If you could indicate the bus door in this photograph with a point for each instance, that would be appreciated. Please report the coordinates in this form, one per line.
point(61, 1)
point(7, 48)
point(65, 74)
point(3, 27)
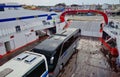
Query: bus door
point(56, 63)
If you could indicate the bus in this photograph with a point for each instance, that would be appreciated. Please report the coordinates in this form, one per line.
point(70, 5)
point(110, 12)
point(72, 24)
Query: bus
point(58, 49)
point(27, 64)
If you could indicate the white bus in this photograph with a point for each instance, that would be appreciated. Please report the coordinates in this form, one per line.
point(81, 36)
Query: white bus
point(58, 49)
point(27, 64)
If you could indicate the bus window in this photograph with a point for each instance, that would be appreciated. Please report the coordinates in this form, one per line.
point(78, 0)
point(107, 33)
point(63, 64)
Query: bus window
point(69, 42)
point(36, 71)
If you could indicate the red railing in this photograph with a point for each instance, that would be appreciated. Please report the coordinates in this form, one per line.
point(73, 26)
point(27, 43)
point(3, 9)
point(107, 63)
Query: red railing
point(62, 16)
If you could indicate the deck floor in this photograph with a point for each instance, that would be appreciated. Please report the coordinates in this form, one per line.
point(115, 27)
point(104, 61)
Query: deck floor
point(88, 28)
point(88, 62)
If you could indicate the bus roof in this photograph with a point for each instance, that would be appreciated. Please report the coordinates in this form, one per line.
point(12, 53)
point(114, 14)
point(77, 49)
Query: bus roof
point(21, 64)
point(49, 46)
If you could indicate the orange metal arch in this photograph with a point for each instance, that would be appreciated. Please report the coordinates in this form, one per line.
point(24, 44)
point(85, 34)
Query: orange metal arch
point(62, 16)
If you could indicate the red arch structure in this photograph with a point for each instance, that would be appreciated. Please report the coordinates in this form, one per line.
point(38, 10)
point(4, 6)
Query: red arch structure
point(62, 19)
point(62, 16)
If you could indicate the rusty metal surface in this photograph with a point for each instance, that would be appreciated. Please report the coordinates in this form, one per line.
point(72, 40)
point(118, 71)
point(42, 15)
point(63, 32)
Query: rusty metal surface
point(90, 61)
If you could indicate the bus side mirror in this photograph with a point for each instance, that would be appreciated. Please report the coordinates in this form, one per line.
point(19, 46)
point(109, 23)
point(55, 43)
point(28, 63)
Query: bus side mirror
point(51, 60)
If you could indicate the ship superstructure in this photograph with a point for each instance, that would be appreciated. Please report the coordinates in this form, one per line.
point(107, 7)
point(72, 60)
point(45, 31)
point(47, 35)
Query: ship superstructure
point(111, 42)
point(19, 26)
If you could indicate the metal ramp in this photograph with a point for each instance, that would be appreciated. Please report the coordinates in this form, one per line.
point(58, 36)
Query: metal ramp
point(88, 28)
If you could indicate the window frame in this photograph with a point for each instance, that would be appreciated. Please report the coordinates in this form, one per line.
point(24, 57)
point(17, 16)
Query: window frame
point(69, 42)
point(36, 67)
